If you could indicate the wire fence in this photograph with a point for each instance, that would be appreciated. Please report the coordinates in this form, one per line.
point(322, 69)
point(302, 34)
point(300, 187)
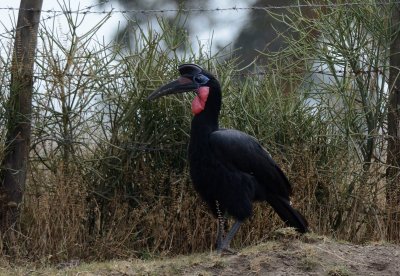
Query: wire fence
point(55, 13)
point(87, 10)
point(91, 9)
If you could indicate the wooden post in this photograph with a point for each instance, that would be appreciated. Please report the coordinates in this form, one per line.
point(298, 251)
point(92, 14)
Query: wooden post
point(15, 162)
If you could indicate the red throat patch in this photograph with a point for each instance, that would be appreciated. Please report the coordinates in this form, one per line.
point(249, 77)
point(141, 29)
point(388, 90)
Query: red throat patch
point(200, 100)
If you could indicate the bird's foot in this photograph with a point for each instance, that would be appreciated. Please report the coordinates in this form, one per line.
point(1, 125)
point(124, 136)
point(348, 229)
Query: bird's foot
point(226, 251)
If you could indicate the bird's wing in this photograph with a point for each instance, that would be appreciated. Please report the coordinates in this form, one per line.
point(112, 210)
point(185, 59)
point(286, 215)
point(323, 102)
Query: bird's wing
point(240, 151)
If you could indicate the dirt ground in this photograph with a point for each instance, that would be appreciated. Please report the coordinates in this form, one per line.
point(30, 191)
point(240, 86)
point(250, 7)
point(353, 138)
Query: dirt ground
point(284, 255)
point(324, 257)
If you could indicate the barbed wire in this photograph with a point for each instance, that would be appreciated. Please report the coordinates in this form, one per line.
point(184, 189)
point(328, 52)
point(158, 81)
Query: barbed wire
point(56, 13)
point(87, 10)
point(13, 30)
point(83, 10)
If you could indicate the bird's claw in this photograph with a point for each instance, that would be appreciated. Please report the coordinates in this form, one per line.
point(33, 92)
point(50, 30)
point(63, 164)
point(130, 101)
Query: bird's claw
point(226, 251)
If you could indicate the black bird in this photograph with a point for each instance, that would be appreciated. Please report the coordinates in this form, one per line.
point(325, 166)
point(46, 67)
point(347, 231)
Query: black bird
point(228, 168)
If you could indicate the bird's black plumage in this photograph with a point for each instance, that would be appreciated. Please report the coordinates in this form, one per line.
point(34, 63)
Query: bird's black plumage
point(229, 169)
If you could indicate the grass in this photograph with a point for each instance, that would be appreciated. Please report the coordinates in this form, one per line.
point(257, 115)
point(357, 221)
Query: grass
point(339, 271)
point(309, 254)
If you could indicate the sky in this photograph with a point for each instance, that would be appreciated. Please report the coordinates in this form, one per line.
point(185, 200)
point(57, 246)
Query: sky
point(223, 26)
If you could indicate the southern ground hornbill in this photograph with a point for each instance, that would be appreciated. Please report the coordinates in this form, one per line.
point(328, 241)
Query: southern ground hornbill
point(228, 168)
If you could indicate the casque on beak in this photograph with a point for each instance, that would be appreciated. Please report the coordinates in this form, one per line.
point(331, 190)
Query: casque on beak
point(182, 84)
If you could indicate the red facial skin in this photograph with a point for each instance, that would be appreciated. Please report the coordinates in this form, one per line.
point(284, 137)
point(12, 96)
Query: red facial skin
point(200, 100)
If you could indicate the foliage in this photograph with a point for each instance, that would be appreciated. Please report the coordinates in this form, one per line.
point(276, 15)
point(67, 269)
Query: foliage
point(347, 49)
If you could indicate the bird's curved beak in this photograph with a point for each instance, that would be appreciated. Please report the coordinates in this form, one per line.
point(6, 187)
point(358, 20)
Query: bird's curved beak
point(182, 84)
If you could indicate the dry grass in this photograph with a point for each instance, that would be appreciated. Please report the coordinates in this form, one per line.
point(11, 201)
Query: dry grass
point(285, 255)
point(62, 220)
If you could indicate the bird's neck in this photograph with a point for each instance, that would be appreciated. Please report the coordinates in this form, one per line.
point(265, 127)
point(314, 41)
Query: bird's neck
point(203, 125)
point(206, 121)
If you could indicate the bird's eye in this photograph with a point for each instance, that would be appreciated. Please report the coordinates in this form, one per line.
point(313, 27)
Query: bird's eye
point(200, 79)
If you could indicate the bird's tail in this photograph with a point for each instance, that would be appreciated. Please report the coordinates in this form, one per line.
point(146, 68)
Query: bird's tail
point(288, 214)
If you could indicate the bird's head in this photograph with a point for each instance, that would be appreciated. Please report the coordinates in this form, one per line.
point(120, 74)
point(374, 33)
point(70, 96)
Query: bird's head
point(192, 78)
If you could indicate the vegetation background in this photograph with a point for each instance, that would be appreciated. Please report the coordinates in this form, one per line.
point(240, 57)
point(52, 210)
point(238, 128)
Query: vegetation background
point(108, 173)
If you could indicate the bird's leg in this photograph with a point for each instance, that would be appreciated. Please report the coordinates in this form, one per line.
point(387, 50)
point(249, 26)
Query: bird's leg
point(221, 226)
point(225, 247)
point(220, 233)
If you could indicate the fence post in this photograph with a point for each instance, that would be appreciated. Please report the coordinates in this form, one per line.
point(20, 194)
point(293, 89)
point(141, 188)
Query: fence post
point(15, 162)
